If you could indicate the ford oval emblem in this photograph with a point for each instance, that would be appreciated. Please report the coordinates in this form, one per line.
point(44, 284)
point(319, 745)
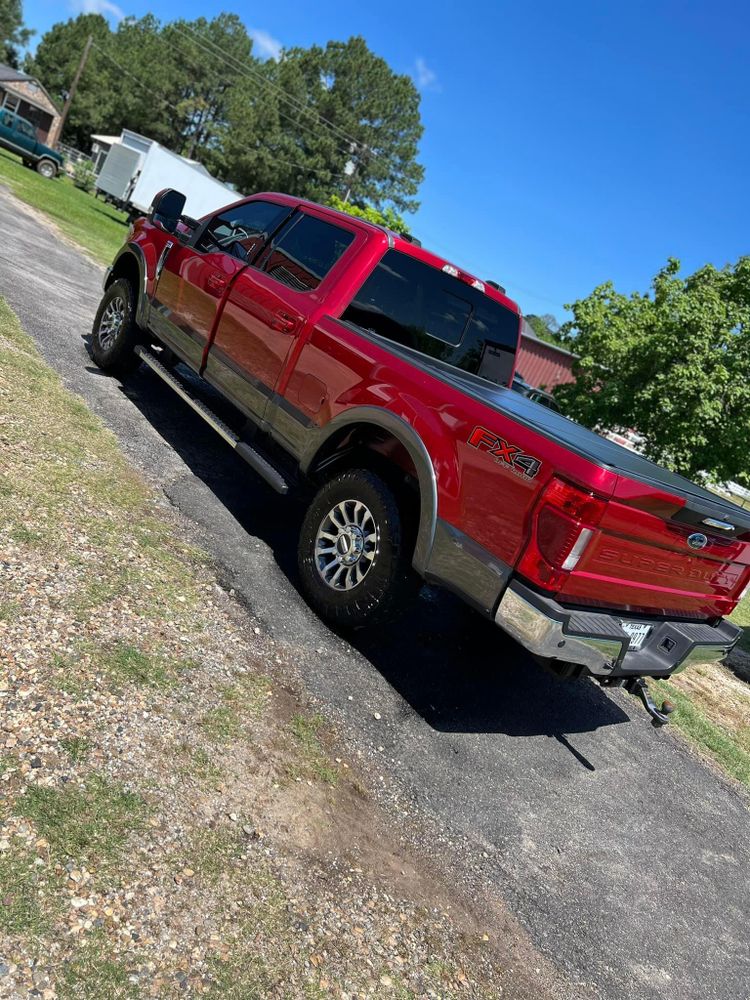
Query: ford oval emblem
point(698, 540)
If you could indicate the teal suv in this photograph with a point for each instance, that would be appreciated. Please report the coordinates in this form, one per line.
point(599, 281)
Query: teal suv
point(19, 136)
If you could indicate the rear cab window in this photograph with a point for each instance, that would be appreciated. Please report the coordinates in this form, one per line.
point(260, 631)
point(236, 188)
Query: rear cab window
point(415, 304)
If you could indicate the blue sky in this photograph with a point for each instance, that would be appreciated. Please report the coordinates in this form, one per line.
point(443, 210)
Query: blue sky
point(565, 143)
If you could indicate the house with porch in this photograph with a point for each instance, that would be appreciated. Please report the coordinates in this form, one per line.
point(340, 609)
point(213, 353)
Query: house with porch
point(23, 94)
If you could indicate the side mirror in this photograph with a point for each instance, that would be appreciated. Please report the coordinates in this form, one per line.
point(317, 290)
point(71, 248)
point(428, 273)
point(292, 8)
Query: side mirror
point(166, 209)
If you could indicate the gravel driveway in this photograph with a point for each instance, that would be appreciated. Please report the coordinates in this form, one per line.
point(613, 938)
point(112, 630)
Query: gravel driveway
point(625, 857)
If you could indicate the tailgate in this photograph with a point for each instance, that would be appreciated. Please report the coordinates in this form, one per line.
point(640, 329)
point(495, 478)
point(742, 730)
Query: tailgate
point(658, 553)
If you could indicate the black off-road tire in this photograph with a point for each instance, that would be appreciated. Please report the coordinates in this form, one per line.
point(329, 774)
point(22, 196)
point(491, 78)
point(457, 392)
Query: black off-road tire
point(388, 583)
point(112, 345)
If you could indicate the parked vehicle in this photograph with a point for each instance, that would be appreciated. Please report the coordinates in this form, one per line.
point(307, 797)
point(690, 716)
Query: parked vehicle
point(136, 168)
point(19, 136)
point(535, 395)
point(373, 374)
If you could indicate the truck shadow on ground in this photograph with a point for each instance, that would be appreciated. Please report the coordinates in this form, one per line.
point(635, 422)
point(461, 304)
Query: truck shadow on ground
point(453, 668)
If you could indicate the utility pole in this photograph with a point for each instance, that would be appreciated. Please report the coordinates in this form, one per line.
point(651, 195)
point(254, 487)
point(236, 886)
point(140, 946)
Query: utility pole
point(74, 86)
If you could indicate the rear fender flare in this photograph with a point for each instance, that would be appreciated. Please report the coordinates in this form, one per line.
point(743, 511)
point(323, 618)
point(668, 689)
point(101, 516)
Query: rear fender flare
point(418, 453)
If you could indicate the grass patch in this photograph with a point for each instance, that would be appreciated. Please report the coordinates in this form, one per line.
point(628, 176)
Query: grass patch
point(20, 909)
point(88, 823)
point(741, 616)
point(729, 748)
point(24, 536)
point(92, 975)
point(221, 724)
point(312, 759)
point(214, 853)
point(9, 610)
point(248, 697)
point(76, 747)
point(198, 763)
point(244, 977)
point(94, 225)
point(125, 663)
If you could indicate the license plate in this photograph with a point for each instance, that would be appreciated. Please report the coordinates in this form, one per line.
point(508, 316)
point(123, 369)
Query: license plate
point(637, 632)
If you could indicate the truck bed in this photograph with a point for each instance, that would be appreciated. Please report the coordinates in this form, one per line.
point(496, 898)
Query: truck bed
point(584, 442)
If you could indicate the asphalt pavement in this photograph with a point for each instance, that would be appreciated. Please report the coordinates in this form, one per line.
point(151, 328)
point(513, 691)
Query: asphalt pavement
point(625, 857)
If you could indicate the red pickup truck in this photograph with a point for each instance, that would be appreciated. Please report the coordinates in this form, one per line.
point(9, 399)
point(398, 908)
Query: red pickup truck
point(373, 373)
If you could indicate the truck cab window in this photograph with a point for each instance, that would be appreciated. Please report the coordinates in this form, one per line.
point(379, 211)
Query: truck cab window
point(417, 305)
point(305, 252)
point(489, 344)
point(413, 304)
point(242, 230)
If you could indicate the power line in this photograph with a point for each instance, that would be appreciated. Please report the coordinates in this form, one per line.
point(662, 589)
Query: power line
point(170, 104)
point(250, 70)
point(248, 73)
point(224, 58)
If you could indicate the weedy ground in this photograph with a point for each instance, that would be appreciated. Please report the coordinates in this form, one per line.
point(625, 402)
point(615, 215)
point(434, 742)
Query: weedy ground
point(173, 820)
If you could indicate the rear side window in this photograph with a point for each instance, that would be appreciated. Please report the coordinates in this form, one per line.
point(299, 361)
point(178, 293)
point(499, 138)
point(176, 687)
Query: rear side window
point(417, 305)
point(305, 252)
point(241, 230)
point(25, 129)
point(7, 118)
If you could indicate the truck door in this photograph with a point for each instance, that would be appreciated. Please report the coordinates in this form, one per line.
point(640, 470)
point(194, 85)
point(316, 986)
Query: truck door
point(192, 280)
point(25, 136)
point(270, 305)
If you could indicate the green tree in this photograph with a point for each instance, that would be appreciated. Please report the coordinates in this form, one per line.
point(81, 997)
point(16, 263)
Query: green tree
point(294, 125)
point(672, 364)
point(205, 56)
point(298, 122)
point(545, 327)
point(13, 34)
point(388, 218)
point(55, 62)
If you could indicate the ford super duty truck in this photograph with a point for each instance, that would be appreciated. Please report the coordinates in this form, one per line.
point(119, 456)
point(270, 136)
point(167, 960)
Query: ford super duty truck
point(372, 374)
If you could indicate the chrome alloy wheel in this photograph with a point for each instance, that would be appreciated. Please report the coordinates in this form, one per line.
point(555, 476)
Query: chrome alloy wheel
point(346, 545)
point(111, 322)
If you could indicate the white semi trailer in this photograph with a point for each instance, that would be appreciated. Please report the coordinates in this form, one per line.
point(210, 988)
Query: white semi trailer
point(136, 168)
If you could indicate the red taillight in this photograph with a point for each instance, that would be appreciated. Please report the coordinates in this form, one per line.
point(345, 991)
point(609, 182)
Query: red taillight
point(562, 526)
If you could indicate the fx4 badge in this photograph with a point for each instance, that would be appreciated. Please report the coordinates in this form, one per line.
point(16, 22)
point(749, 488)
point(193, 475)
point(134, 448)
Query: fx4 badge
point(504, 452)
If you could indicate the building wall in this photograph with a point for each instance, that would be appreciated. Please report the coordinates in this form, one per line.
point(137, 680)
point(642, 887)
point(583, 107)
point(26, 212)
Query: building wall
point(542, 365)
point(41, 111)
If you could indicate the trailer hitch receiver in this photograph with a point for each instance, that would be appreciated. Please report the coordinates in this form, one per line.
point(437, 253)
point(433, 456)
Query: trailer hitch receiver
point(638, 687)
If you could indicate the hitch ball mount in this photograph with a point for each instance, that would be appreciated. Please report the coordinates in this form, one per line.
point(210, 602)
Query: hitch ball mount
point(638, 687)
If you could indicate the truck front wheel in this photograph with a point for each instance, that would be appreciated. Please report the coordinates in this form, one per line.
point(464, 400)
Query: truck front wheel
point(115, 333)
point(46, 168)
point(355, 551)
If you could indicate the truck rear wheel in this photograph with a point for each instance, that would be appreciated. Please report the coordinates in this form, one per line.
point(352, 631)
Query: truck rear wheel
point(115, 333)
point(355, 551)
point(46, 168)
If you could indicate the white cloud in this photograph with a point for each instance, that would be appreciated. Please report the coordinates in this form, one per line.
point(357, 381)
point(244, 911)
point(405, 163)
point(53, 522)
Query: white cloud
point(424, 77)
point(264, 44)
point(104, 7)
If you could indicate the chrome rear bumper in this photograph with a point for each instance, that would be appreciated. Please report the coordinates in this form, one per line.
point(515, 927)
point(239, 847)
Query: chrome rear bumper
point(597, 642)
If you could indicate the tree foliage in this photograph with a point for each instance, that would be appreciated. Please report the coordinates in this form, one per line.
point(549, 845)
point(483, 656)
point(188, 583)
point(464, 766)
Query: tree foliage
point(388, 218)
point(545, 327)
point(672, 364)
point(13, 34)
point(297, 124)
